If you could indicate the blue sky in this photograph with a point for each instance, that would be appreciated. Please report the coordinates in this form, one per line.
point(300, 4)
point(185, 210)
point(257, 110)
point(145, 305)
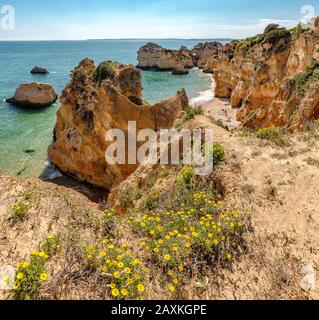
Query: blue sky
point(87, 19)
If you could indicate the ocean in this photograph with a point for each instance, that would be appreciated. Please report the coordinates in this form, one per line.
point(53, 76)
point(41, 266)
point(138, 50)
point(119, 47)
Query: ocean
point(26, 134)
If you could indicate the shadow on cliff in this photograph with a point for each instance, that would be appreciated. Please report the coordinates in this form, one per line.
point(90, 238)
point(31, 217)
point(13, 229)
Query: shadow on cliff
point(94, 194)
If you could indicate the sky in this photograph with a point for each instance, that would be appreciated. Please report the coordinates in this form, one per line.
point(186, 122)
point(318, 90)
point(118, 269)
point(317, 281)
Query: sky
point(115, 19)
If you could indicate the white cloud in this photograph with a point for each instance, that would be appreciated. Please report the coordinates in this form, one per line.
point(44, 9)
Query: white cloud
point(244, 30)
point(141, 26)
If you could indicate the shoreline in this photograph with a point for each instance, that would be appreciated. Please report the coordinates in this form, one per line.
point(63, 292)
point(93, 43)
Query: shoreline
point(217, 108)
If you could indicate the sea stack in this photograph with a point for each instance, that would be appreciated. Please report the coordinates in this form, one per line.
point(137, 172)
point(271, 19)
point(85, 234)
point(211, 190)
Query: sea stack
point(154, 57)
point(34, 95)
point(96, 100)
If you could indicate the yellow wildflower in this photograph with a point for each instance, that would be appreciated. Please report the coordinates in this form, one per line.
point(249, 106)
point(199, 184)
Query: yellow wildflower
point(128, 270)
point(141, 288)
point(115, 293)
point(43, 277)
point(124, 292)
point(170, 273)
point(171, 288)
point(167, 257)
point(102, 254)
point(20, 276)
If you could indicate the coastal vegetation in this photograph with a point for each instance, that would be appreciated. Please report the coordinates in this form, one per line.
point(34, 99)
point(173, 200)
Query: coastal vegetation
point(30, 274)
point(306, 80)
point(105, 70)
point(189, 114)
point(165, 232)
point(275, 135)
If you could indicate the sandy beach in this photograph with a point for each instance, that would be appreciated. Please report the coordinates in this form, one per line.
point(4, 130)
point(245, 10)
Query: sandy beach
point(222, 111)
point(218, 108)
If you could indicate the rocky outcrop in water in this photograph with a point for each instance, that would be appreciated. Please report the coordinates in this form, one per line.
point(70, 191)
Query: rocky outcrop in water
point(95, 101)
point(273, 78)
point(154, 57)
point(39, 70)
point(35, 95)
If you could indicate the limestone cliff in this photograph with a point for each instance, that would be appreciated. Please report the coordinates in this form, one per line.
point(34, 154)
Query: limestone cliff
point(94, 101)
point(202, 52)
point(273, 77)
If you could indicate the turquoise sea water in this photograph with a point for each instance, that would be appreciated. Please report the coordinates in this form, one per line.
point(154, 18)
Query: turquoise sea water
point(22, 130)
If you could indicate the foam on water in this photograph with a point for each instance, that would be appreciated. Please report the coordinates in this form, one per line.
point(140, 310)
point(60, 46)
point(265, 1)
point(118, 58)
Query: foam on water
point(204, 96)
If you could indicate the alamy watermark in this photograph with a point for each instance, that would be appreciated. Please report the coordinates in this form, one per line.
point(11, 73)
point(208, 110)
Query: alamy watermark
point(165, 147)
point(7, 17)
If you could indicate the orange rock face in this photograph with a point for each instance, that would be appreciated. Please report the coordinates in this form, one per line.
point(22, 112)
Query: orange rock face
point(90, 106)
point(153, 56)
point(260, 76)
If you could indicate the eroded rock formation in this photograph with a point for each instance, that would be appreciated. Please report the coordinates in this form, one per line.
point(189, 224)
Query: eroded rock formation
point(35, 95)
point(153, 56)
point(273, 77)
point(203, 52)
point(95, 101)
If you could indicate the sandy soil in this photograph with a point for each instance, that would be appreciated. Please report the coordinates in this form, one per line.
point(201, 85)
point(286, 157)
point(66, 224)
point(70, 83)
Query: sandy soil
point(221, 110)
point(278, 186)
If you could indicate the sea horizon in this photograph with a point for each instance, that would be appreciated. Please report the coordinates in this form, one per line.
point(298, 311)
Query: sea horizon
point(120, 39)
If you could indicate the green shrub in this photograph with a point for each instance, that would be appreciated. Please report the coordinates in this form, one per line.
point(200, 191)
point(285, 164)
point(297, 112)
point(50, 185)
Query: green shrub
point(52, 245)
point(190, 114)
point(151, 201)
point(274, 135)
point(127, 197)
point(303, 80)
point(105, 70)
point(123, 273)
point(29, 276)
point(198, 232)
point(20, 211)
point(218, 153)
point(185, 176)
